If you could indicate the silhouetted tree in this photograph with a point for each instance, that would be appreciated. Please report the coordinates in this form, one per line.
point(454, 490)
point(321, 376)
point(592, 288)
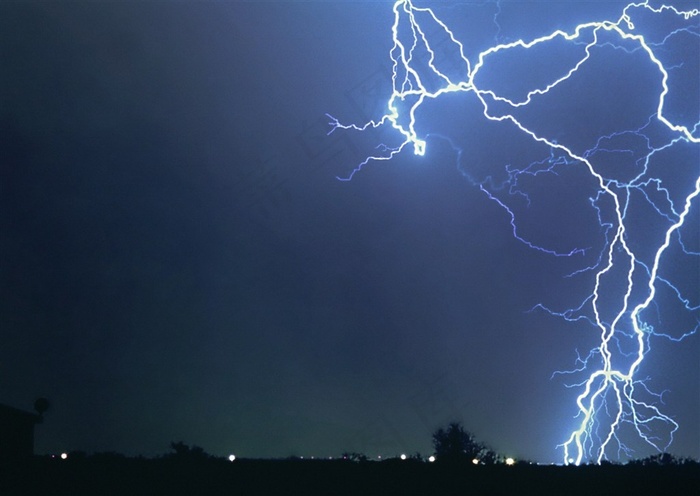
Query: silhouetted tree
point(660, 459)
point(456, 444)
point(41, 405)
point(183, 451)
point(354, 457)
point(488, 456)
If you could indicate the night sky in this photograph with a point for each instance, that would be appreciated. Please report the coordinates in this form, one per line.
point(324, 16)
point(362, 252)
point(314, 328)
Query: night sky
point(178, 260)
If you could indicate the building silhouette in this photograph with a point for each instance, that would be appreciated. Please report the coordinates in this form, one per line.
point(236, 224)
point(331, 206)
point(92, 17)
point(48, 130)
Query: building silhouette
point(17, 432)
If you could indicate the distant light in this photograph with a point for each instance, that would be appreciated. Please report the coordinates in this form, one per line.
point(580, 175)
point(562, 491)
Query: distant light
point(403, 457)
point(231, 458)
point(475, 461)
point(571, 460)
point(64, 456)
point(379, 457)
point(431, 458)
point(510, 461)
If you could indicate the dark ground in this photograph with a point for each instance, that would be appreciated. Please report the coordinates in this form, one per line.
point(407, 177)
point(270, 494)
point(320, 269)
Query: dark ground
point(111, 474)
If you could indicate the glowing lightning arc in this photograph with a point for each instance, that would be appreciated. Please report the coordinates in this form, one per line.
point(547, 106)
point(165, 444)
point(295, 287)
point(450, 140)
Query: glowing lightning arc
point(612, 395)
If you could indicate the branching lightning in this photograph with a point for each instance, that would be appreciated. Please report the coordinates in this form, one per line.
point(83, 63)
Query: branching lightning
point(627, 279)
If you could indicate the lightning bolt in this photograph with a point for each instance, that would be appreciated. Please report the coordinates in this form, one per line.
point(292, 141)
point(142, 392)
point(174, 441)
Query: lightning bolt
point(613, 398)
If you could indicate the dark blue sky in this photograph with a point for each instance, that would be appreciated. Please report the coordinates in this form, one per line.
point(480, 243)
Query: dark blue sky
point(179, 262)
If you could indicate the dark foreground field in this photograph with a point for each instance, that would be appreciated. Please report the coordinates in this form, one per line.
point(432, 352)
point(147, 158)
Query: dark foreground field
point(168, 476)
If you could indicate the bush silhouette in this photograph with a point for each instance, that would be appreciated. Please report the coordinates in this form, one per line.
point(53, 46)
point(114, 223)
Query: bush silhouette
point(185, 452)
point(455, 444)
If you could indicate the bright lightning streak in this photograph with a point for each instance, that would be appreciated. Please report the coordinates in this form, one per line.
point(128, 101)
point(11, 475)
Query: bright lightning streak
point(611, 393)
